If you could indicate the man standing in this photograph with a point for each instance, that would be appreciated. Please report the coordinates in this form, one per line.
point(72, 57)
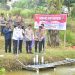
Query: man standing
point(2, 22)
point(44, 36)
point(7, 33)
point(17, 39)
point(29, 35)
point(39, 39)
point(15, 21)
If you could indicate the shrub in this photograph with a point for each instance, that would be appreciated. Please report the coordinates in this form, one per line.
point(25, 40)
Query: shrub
point(73, 12)
point(54, 11)
point(3, 11)
point(15, 11)
point(40, 10)
point(70, 37)
point(27, 13)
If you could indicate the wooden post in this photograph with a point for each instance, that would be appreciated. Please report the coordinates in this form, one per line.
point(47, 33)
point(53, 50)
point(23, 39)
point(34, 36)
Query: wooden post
point(65, 38)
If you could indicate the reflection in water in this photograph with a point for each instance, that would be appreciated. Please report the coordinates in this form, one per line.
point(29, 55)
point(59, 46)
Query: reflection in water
point(58, 71)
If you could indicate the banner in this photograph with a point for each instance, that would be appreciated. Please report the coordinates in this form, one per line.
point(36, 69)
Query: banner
point(51, 22)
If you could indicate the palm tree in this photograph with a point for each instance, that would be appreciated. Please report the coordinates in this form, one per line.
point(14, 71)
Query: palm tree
point(53, 35)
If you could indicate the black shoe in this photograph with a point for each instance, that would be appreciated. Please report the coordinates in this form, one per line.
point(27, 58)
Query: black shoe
point(27, 52)
point(9, 51)
point(30, 52)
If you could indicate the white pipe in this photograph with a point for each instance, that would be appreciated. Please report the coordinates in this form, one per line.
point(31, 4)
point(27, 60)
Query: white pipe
point(1, 55)
point(37, 71)
point(34, 60)
point(42, 59)
point(37, 58)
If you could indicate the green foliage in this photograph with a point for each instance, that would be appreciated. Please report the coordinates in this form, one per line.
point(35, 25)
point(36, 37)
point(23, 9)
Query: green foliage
point(40, 10)
point(29, 4)
point(69, 2)
point(27, 13)
point(54, 12)
point(73, 12)
point(15, 11)
point(72, 1)
point(24, 4)
point(4, 12)
point(2, 71)
point(70, 36)
point(20, 4)
point(3, 1)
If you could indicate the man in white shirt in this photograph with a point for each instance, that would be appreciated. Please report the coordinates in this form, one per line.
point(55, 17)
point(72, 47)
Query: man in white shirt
point(17, 39)
point(29, 35)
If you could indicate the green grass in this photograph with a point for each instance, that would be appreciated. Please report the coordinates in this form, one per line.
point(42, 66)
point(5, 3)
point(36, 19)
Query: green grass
point(51, 52)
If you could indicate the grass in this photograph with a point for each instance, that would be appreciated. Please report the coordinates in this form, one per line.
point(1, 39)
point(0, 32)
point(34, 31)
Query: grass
point(51, 55)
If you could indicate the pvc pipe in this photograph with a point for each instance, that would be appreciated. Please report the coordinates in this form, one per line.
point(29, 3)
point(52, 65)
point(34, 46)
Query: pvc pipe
point(34, 60)
point(37, 59)
point(42, 59)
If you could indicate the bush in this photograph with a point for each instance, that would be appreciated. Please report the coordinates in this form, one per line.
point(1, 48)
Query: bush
point(54, 11)
point(70, 37)
point(27, 13)
point(3, 11)
point(73, 12)
point(15, 11)
point(41, 10)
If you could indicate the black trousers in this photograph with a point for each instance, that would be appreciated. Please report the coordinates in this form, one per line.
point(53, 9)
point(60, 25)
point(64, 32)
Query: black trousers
point(36, 46)
point(17, 46)
point(39, 45)
point(8, 45)
point(43, 43)
point(28, 46)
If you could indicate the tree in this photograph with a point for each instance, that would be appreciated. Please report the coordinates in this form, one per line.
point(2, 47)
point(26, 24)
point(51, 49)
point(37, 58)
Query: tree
point(3, 1)
point(69, 3)
point(55, 8)
point(3, 5)
point(29, 3)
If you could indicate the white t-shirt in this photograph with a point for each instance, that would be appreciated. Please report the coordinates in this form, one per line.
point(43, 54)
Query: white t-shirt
point(17, 34)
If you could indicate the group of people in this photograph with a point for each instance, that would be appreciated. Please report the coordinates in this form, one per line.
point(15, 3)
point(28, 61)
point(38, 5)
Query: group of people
point(18, 34)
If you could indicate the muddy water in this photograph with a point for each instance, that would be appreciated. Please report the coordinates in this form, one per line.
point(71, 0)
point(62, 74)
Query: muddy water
point(67, 70)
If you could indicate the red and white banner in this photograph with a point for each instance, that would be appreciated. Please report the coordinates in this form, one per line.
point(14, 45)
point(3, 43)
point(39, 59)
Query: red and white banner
point(51, 22)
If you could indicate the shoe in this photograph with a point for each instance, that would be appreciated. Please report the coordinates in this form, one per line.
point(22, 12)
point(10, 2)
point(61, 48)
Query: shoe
point(30, 52)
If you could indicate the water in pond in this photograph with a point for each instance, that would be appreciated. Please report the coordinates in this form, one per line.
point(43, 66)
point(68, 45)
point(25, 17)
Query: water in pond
point(68, 70)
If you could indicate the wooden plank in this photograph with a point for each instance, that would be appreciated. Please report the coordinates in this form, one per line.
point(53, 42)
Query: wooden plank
point(41, 66)
point(49, 65)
